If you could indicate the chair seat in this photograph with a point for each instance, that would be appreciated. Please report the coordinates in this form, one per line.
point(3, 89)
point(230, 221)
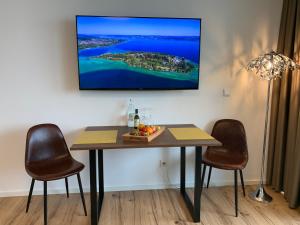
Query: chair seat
point(54, 169)
point(222, 158)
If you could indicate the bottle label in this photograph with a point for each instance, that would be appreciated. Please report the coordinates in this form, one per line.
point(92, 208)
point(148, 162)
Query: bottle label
point(131, 116)
point(136, 123)
point(130, 119)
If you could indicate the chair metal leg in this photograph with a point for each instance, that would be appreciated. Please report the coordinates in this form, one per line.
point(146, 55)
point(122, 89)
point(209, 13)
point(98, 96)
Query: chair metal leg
point(81, 193)
point(242, 182)
point(45, 202)
point(67, 186)
point(236, 193)
point(30, 194)
point(203, 175)
point(209, 174)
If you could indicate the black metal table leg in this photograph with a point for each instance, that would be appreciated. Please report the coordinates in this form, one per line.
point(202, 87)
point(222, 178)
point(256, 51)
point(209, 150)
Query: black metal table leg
point(197, 188)
point(93, 187)
point(193, 209)
point(182, 170)
point(100, 180)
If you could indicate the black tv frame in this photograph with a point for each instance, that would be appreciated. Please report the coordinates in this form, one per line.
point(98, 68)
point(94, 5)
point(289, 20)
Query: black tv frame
point(133, 89)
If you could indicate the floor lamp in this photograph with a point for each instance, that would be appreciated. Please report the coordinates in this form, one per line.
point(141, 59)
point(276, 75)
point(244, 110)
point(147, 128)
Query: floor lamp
point(269, 67)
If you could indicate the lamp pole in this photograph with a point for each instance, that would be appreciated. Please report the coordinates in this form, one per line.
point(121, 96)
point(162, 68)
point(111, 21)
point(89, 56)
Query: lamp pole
point(269, 66)
point(260, 194)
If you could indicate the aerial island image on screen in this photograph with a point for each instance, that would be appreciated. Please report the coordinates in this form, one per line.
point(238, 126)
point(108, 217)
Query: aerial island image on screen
point(138, 53)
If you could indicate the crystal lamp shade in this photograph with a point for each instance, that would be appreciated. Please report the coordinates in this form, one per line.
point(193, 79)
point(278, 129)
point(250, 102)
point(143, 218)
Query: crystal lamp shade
point(271, 65)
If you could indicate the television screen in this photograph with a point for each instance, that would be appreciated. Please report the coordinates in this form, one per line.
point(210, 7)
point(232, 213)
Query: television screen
point(127, 53)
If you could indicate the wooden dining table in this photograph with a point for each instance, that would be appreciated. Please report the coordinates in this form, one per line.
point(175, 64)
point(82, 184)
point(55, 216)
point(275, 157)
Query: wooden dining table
point(166, 139)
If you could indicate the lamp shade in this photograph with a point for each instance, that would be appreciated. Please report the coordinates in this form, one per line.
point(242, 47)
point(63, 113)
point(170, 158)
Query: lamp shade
point(271, 65)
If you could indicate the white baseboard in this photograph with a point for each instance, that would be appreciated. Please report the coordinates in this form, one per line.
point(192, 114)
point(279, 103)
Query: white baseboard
point(119, 188)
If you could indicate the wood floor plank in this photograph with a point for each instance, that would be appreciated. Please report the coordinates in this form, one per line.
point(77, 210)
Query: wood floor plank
point(153, 207)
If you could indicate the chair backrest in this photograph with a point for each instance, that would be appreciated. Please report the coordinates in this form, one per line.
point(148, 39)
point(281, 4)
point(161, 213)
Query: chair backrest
point(232, 135)
point(45, 142)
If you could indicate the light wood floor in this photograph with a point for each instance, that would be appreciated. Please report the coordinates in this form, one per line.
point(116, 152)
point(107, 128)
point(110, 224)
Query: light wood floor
point(157, 207)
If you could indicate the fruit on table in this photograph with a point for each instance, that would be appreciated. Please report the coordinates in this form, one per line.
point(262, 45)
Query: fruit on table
point(144, 130)
point(149, 130)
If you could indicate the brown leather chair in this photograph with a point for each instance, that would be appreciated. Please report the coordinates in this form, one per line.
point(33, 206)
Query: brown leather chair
point(48, 158)
point(232, 155)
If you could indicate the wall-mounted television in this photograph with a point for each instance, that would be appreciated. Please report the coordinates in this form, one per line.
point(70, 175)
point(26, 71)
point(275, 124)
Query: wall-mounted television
point(130, 53)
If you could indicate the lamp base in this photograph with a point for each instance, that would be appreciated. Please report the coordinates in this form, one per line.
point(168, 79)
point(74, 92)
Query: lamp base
point(260, 195)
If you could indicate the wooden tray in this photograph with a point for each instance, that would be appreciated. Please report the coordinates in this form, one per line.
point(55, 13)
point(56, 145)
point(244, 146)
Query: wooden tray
point(134, 138)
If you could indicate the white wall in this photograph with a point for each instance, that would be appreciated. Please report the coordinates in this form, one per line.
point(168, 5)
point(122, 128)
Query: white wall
point(39, 84)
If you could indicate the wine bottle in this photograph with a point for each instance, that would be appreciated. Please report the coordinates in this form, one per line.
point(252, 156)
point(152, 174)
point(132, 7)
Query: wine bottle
point(136, 119)
point(130, 114)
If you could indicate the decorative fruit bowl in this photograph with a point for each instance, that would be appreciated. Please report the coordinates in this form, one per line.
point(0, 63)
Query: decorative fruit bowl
point(143, 133)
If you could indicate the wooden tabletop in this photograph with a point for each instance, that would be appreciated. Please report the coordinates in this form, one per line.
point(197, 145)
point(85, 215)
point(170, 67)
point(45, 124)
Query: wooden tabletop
point(166, 139)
